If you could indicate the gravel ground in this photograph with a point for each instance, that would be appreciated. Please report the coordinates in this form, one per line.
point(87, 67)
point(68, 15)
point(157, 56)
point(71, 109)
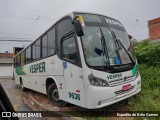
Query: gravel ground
point(34, 101)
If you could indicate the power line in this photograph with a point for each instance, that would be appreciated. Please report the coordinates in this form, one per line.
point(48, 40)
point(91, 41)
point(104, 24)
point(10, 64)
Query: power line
point(24, 14)
point(16, 40)
point(7, 14)
point(17, 33)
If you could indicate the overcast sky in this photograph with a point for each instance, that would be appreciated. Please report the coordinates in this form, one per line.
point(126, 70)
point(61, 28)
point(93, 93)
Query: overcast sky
point(27, 19)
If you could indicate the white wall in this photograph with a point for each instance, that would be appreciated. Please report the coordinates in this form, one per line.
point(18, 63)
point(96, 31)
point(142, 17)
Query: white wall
point(6, 71)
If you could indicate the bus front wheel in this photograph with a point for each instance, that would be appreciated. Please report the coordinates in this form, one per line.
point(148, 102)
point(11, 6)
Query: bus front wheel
point(53, 96)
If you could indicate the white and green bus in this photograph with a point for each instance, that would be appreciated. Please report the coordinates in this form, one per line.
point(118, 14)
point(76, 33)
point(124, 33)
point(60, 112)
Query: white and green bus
point(85, 59)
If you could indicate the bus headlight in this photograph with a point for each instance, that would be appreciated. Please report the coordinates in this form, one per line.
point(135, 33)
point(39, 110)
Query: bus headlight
point(97, 81)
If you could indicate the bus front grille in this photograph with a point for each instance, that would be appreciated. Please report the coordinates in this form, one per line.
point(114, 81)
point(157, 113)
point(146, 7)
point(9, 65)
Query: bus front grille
point(121, 81)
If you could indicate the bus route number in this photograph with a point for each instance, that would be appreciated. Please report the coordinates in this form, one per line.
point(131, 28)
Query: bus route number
point(74, 96)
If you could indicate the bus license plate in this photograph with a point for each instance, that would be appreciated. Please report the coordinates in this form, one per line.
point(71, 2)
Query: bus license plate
point(126, 87)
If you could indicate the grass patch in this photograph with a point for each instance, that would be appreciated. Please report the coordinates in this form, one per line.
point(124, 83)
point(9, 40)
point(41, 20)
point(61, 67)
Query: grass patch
point(149, 98)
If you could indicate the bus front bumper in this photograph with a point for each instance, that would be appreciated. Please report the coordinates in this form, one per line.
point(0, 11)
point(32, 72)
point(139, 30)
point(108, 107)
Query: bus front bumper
point(98, 97)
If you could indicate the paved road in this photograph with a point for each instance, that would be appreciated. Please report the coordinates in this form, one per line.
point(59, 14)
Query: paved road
point(15, 95)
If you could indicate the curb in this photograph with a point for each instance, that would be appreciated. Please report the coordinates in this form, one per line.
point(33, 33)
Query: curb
point(5, 77)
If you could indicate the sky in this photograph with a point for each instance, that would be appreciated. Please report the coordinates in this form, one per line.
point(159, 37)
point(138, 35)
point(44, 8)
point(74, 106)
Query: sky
point(28, 19)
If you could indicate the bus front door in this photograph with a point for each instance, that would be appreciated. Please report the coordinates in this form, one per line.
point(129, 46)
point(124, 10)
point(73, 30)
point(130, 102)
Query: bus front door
point(72, 71)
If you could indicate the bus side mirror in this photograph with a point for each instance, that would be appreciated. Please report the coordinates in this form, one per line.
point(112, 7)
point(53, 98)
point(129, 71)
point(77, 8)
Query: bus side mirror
point(78, 28)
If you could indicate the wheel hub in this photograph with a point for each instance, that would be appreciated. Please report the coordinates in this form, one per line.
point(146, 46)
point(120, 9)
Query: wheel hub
point(55, 95)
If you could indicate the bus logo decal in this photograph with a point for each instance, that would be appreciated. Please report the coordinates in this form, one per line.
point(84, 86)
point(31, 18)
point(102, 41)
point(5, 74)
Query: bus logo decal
point(117, 60)
point(114, 76)
point(64, 65)
point(38, 67)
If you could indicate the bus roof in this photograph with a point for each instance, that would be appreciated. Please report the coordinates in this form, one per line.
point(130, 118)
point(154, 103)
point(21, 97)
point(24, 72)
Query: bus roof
point(72, 14)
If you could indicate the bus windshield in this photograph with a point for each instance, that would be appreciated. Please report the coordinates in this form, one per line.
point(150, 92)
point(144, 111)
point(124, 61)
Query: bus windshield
point(120, 33)
point(101, 48)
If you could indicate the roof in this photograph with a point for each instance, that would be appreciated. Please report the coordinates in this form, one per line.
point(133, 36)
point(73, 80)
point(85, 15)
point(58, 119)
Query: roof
point(154, 21)
point(4, 60)
point(71, 14)
point(6, 54)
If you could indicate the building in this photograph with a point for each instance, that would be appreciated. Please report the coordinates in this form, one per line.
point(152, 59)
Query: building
point(6, 59)
point(6, 65)
point(154, 29)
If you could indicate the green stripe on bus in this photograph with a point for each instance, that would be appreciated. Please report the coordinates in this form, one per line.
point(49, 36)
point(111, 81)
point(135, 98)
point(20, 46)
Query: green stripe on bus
point(134, 70)
point(19, 71)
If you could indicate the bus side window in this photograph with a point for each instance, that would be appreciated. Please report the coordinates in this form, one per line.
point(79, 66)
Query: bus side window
point(15, 62)
point(44, 46)
point(51, 42)
point(38, 49)
point(69, 51)
point(64, 27)
point(23, 57)
point(28, 55)
point(18, 60)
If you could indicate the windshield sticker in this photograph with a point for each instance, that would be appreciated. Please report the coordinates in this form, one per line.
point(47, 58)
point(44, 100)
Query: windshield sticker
point(111, 61)
point(118, 61)
point(114, 76)
point(80, 18)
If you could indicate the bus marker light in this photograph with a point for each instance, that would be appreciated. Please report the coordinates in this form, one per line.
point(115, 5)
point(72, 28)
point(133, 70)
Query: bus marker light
point(78, 91)
point(64, 65)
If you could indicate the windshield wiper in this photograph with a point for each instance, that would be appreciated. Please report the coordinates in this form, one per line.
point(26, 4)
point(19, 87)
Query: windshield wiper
point(104, 48)
point(119, 43)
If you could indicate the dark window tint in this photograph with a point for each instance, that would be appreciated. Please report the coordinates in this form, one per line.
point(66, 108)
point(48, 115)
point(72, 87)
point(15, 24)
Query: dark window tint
point(33, 51)
point(44, 46)
point(64, 27)
point(38, 49)
point(15, 62)
point(18, 59)
point(28, 55)
point(23, 57)
point(51, 42)
point(69, 50)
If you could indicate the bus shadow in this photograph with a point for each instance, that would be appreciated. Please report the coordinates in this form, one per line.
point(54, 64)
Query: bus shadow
point(43, 101)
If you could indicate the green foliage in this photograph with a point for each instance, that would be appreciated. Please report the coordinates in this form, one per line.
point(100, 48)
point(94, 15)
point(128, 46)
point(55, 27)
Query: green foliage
point(148, 99)
point(148, 55)
point(147, 52)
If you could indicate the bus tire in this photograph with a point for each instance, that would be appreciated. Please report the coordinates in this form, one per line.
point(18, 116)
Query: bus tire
point(22, 86)
point(54, 96)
